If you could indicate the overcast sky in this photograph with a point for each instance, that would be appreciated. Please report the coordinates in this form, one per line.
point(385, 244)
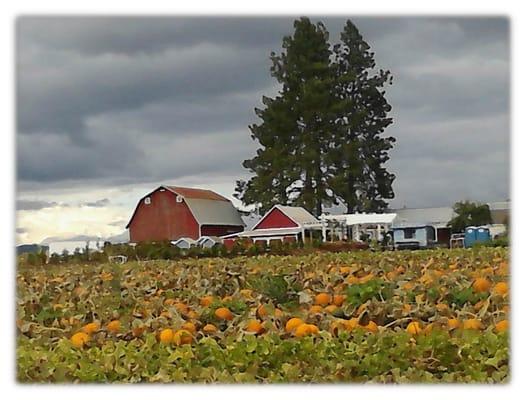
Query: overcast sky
point(109, 108)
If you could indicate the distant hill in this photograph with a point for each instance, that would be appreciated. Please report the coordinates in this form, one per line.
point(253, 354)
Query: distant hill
point(123, 237)
point(120, 238)
point(30, 248)
point(74, 238)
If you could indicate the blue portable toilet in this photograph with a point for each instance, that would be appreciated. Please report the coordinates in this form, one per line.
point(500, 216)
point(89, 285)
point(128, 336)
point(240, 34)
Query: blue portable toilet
point(476, 234)
point(483, 234)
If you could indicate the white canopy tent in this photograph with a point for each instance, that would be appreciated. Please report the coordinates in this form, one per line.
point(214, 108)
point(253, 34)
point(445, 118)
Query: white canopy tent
point(374, 224)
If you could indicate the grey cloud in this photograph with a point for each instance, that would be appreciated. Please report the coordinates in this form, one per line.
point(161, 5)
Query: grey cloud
point(132, 35)
point(99, 203)
point(34, 204)
point(110, 101)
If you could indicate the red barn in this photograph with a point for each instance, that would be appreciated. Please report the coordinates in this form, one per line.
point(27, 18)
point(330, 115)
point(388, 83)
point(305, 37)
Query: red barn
point(170, 213)
point(283, 223)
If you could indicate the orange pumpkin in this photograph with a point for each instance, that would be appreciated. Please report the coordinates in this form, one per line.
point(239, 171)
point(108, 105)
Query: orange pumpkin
point(209, 328)
point(453, 323)
point(322, 299)
point(501, 288)
point(338, 299)
point(90, 328)
point(502, 326)
point(255, 326)
point(206, 301)
point(190, 327)
point(114, 326)
point(166, 336)
point(474, 324)
point(182, 336)
point(413, 328)
point(292, 324)
point(79, 339)
point(481, 285)
point(224, 313)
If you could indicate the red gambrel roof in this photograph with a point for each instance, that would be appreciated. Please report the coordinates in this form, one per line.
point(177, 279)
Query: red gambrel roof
point(191, 193)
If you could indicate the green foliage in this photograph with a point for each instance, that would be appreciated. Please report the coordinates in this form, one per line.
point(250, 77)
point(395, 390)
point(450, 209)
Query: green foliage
point(55, 302)
point(374, 289)
point(275, 288)
point(499, 242)
point(463, 296)
point(469, 214)
point(389, 357)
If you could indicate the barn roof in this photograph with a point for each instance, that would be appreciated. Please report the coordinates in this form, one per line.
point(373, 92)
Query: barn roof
point(207, 207)
point(297, 214)
point(433, 215)
point(213, 212)
point(192, 193)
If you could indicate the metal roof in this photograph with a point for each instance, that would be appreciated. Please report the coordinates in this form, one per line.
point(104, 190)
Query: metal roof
point(357, 219)
point(184, 239)
point(265, 232)
point(299, 215)
point(423, 216)
point(203, 239)
point(499, 205)
point(213, 212)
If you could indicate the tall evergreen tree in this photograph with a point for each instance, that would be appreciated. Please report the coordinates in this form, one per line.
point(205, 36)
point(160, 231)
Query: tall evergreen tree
point(321, 137)
point(295, 127)
point(358, 177)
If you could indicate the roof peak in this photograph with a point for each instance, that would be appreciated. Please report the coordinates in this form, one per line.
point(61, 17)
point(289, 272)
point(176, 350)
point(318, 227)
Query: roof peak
point(195, 193)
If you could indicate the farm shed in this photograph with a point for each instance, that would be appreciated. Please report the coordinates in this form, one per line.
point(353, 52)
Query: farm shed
point(171, 212)
point(436, 217)
point(184, 243)
point(283, 223)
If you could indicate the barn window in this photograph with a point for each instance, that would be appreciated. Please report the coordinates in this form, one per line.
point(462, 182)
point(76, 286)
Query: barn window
point(409, 233)
point(179, 199)
point(147, 200)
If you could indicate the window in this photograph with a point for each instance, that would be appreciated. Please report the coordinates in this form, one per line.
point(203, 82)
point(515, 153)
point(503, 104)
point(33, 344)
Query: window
point(179, 199)
point(409, 233)
point(147, 200)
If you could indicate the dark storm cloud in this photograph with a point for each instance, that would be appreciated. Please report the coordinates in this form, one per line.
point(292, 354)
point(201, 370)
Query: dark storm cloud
point(115, 100)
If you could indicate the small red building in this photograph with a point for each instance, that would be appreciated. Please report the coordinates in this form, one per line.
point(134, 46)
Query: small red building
point(171, 212)
point(283, 223)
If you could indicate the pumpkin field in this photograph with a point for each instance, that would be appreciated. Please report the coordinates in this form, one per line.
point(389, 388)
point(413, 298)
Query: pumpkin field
point(437, 316)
